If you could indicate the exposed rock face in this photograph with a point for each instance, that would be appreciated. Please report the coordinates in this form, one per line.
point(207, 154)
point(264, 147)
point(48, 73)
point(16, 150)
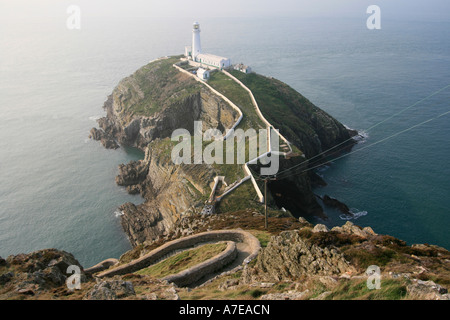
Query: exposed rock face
point(334, 203)
point(111, 290)
point(427, 290)
point(170, 192)
point(138, 114)
point(107, 140)
point(320, 228)
point(39, 270)
point(288, 256)
point(296, 192)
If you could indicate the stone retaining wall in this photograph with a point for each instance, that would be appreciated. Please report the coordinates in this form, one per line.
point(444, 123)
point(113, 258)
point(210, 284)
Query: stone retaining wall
point(186, 243)
point(105, 264)
point(195, 273)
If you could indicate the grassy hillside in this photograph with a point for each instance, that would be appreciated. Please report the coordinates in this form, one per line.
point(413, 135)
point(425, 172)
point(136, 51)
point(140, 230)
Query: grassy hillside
point(183, 260)
point(297, 118)
point(238, 96)
point(155, 86)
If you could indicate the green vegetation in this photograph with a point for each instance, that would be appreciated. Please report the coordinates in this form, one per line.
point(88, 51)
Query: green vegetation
point(239, 96)
point(391, 289)
point(332, 238)
point(286, 109)
point(241, 198)
point(183, 260)
point(365, 258)
point(262, 236)
point(166, 87)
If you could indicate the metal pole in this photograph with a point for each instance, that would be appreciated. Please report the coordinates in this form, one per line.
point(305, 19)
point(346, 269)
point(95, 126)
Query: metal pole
point(265, 204)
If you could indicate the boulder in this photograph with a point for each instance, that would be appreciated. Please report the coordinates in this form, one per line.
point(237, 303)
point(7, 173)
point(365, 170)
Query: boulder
point(427, 290)
point(170, 294)
point(111, 290)
point(350, 228)
point(320, 228)
point(369, 231)
point(304, 222)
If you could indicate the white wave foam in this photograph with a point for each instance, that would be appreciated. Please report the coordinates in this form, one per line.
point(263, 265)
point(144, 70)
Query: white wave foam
point(118, 213)
point(361, 137)
point(355, 214)
point(94, 118)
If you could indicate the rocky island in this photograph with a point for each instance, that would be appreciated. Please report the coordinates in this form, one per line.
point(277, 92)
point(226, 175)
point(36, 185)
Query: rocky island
point(181, 253)
point(146, 107)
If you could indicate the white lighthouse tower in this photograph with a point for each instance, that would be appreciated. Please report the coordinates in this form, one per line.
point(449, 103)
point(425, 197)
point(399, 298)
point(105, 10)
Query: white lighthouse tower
point(196, 46)
point(196, 58)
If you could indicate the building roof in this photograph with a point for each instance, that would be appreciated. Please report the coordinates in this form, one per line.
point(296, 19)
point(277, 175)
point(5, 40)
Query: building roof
point(201, 70)
point(210, 56)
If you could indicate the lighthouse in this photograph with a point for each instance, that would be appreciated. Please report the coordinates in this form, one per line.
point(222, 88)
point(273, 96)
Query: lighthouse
point(196, 46)
point(197, 58)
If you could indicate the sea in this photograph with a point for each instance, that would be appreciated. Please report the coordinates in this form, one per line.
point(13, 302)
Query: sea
point(57, 187)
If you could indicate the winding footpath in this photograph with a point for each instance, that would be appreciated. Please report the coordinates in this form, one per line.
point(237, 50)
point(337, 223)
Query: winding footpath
point(269, 129)
point(242, 247)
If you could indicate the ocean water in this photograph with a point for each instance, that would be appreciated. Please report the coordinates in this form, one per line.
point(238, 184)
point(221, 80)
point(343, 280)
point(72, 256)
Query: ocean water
point(57, 187)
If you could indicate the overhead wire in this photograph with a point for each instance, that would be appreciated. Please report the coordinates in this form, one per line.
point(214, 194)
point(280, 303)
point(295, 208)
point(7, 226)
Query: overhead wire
point(278, 177)
point(308, 161)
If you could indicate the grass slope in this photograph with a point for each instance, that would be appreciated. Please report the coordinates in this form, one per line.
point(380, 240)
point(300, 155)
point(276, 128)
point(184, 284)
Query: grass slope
point(183, 260)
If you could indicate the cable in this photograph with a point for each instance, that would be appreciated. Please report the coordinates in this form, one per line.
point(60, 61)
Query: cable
point(372, 144)
point(370, 128)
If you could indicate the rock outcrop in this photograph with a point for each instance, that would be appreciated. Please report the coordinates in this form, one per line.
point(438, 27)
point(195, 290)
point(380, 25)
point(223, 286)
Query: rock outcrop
point(427, 290)
point(352, 229)
point(334, 203)
point(38, 271)
point(171, 191)
point(289, 256)
point(107, 140)
point(111, 290)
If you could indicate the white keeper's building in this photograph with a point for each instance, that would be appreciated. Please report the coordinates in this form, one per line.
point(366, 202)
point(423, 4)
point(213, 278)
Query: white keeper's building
point(195, 53)
point(203, 74)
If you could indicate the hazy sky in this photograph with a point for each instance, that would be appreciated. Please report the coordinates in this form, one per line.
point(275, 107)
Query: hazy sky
point(392, 9)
